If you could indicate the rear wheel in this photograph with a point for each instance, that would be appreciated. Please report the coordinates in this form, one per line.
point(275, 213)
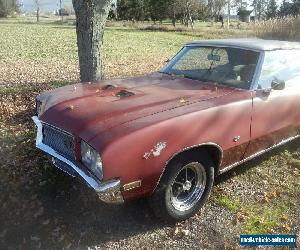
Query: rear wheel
point(183, 189)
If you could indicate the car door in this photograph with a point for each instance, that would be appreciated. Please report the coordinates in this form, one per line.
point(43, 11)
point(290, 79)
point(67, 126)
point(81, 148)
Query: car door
point(276, 114)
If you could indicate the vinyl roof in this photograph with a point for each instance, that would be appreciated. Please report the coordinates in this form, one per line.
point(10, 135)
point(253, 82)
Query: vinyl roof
point(248, 43)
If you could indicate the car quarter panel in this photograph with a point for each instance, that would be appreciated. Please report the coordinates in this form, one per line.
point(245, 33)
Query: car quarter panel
point(139, 150)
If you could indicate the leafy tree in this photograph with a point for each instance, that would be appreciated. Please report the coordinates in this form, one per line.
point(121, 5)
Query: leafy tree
point(259, 8)
point(271, 9)
point(123, 9)
point(295, 8)
point(285, 9)
point(8, 7)
point(134, 10)
point(289, 8)
point(158, 9)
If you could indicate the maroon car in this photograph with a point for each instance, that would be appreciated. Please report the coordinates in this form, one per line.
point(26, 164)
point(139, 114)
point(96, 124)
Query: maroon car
point(166, 135)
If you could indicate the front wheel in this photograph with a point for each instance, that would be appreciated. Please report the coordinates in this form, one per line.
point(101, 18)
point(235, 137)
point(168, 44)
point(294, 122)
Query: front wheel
point(184, 188)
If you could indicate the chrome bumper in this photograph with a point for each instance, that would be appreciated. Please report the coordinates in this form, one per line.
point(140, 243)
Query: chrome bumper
point(109, 191)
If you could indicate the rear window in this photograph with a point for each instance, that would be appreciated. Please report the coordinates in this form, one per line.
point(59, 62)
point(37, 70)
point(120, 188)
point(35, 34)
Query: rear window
point(280, 65)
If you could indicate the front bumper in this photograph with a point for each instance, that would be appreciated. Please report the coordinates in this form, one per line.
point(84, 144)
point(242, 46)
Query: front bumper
point(108, 191)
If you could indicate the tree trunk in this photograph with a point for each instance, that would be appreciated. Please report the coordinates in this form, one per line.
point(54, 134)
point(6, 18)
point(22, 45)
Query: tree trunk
point(91, 16)
point(174, 14)
point(191, 21)
point(228, 14)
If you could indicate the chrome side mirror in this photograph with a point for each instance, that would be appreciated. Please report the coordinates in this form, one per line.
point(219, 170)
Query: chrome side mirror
point(278, 85)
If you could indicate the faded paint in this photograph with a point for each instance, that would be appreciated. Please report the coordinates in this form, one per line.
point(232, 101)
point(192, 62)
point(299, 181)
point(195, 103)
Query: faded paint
point(123, 129)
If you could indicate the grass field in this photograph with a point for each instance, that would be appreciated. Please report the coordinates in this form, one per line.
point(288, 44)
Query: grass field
point(43, 209)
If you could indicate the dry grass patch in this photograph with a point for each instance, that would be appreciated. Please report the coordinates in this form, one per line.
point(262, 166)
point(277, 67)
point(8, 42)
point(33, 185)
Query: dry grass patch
point(281, 29)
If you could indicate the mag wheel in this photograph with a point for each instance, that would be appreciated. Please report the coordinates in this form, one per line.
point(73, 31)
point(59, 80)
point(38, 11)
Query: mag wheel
point(187, 188)
point(184, 188)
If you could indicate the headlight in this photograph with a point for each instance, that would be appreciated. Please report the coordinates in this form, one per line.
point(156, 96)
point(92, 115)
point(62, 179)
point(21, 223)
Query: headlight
point(38, 107)
point(91, 159)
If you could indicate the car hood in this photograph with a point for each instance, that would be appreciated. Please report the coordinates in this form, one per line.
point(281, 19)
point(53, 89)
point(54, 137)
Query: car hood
point(88, 109)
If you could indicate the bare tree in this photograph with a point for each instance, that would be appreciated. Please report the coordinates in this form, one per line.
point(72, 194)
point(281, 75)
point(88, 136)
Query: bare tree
point(189, 10)
point(37, 5)
point(228, 13)
point(216, 6)
point(91, 16)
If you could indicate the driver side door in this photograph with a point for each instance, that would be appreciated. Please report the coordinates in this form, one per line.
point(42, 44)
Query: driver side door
point(276, 115)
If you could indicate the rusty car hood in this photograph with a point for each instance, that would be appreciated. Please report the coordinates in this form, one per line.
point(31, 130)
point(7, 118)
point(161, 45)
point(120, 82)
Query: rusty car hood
point(81, 108)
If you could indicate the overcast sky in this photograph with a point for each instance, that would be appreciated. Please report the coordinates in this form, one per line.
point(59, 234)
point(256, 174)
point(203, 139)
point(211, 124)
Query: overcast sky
point(46, 5)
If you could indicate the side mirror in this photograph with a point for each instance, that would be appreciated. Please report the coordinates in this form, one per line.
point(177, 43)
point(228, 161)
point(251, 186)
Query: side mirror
point(278, 84)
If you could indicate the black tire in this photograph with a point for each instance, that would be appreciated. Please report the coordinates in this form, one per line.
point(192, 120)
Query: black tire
point(163, 201)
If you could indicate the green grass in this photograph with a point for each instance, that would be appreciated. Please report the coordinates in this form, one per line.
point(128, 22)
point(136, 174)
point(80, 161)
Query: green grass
point(227, 202)
point(264, 219)
point(274, 204)
point(256, 218)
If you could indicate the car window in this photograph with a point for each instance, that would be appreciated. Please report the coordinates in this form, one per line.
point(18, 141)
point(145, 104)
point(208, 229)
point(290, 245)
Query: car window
point(280, 65)
point(224, 65)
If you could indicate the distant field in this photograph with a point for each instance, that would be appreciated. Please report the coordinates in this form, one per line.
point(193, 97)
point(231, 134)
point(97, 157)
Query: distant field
point(31, 53)
point(47, 52)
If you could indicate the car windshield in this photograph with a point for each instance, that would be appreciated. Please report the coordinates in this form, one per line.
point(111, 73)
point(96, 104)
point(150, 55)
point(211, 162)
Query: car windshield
point(221, 65)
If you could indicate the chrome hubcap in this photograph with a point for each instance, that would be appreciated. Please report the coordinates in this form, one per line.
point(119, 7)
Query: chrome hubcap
point(188, 186)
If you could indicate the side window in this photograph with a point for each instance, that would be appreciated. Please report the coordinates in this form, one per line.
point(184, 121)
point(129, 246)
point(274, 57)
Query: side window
point(282, 65)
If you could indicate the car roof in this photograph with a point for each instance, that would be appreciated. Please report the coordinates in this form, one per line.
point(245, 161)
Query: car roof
point(248, 43)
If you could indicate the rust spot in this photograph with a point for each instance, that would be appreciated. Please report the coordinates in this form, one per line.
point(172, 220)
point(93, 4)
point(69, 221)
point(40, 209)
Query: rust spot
point(108, 87)
point(155, 151)
point(182, 100)
point(124, 93)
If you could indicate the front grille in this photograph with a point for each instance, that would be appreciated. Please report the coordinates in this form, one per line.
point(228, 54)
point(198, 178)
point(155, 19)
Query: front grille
point(62, 142)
